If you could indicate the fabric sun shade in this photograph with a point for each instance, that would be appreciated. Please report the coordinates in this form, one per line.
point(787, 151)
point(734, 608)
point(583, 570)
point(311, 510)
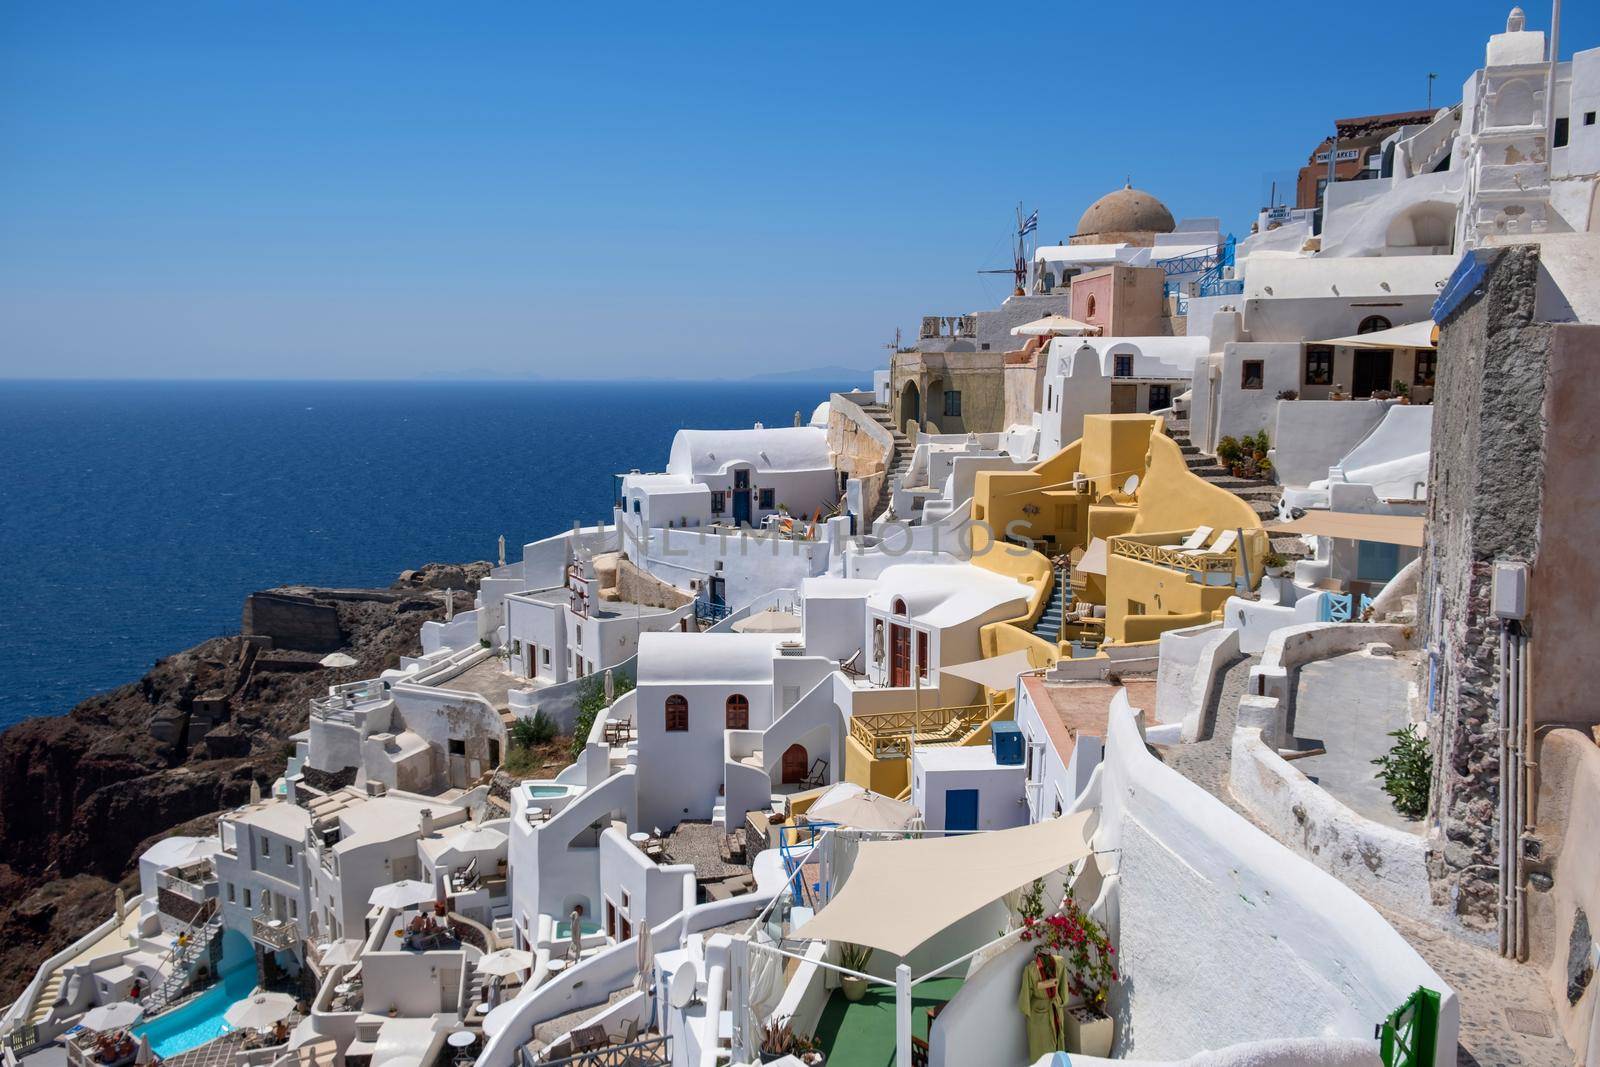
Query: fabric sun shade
point(998, 673)
point(1383, 529)
point(901, 893)
point(1094, 558)
point(1050, 326)
point(1422, 334)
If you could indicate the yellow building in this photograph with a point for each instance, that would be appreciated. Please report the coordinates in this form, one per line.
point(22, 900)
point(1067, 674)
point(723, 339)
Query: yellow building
point(1151, 546)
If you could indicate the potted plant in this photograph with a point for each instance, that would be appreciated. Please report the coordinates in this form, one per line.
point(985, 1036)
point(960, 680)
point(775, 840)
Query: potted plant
point(1403, 391)
point(778, 1040)
point(854, 958)
point(1276, 566)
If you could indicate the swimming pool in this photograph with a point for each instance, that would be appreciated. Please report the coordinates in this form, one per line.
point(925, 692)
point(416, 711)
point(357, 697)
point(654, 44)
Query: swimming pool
point(200, 1020)
point(544, 791)
point(564, 929)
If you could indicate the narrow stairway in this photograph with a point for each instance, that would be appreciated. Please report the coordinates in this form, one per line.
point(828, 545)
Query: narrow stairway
point(899, 463)
point(1048, 627)
point(1260, 494)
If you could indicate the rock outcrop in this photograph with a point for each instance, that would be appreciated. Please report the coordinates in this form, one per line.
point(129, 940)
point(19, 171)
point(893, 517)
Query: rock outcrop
point(82, 794)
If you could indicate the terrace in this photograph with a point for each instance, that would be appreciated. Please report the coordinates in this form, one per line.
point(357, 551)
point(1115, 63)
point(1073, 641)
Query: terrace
point(1202, 565)
point(890, 734)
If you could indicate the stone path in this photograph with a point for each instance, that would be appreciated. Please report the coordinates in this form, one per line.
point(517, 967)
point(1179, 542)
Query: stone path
point(1505, 1008)
point(216, 1053)
point(1205, 762)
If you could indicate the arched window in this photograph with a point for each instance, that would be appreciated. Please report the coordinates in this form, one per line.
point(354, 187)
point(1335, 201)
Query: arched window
point(677, 713)
point(899, 606)
point(1372, 324)
point(738, 710)
point(1090, 309)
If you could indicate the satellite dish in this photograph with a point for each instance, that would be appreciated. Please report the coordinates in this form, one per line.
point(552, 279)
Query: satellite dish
point(685, 983)
point(1131, 485)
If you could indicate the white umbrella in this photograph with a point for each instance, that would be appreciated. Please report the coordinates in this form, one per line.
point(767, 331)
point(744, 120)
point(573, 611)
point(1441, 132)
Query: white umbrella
point(505, 961)
point(866, 811)
point(338, 659)
point(116, 1016)
point(472, 838)
point(1051, 326)
point(347, 950)
point(260, 1011)
point(406, 893)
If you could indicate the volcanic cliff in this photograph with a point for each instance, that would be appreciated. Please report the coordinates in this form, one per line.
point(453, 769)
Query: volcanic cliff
point(82, 794)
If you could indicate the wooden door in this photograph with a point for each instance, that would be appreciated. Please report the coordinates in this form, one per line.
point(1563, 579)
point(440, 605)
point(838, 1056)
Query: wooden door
point(899, 656)
point(1374, 368)
point(794, 765)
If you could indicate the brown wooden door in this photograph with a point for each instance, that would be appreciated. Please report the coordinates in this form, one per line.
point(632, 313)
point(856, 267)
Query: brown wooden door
point(794, 765)
point(899, 656)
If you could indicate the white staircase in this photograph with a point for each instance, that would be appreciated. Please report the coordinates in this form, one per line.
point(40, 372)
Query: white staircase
point(192, 946)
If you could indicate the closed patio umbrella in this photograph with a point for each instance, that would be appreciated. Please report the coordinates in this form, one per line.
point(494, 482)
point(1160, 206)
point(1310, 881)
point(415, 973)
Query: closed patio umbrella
point(406, 893)
point(123, 1013)
point(644, 955)
point(144, 1055)
point(506, 961)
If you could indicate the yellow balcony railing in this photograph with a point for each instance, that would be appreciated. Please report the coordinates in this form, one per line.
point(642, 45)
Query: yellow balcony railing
point(888, 734)
point(1177, 559)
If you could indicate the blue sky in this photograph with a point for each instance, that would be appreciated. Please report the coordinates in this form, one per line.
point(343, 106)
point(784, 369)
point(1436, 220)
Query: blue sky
point(407, 189)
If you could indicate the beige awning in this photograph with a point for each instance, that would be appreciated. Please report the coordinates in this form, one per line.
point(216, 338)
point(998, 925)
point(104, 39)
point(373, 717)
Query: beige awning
point(997, 673)
point(769, 621)
point(1053, 326)
point(901, 893)
point(1094, 558)
point(1422, 334)
point(1384, 529)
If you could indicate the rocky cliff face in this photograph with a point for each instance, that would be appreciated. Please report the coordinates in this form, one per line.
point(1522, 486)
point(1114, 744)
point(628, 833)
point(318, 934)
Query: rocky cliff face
point(82, 794)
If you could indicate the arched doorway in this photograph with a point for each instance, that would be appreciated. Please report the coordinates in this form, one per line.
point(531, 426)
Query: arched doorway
point(936, 410)
point(910, 405)
point(794, 764)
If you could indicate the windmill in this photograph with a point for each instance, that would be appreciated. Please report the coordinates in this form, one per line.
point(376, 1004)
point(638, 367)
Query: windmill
point(1022, 251)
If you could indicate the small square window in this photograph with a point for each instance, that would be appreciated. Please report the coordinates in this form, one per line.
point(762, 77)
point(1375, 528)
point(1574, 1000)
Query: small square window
point(952, 402)
point(546, 653)
point(1427, 367)
point(1252, 374)
point(718, 501)
point(769, 499)
point(1588, 118)
point(1559, 139)
point(1122, 366)
point(458, 746)
point(1319, 365)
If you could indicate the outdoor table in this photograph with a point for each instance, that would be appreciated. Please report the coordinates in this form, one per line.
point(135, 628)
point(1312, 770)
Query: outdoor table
point(557, 964)
point(640, 839)
point(462, 1039)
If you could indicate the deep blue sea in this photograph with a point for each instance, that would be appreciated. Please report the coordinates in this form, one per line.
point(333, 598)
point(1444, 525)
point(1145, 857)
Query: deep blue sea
point(136, 516)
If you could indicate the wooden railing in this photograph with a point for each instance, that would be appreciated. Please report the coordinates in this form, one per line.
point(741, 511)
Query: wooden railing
point(282, 936)
point(886, 732)
point(645, 1052)
point(1208, 562)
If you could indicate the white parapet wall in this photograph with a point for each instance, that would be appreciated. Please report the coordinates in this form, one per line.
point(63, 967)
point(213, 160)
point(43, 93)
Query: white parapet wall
point(1191, 662)
point(1382, 863)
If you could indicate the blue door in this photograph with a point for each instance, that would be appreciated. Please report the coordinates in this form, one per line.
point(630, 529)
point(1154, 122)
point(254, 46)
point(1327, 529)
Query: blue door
point(960, 810)
point(741, 498)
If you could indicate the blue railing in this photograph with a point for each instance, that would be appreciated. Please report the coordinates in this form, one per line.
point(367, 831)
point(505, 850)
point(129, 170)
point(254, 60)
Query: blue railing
point(707, 611)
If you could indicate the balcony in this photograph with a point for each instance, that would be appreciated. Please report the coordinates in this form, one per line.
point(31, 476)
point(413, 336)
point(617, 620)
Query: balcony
point(344, 703)
point(276, 934)
point(890, 734)
point(1201, 567)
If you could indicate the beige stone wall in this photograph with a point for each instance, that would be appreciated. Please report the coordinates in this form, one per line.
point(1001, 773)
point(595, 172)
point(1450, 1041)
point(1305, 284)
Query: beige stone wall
point(978, 376)
point(861, 448)
point(1024, 386)
point(622, 581)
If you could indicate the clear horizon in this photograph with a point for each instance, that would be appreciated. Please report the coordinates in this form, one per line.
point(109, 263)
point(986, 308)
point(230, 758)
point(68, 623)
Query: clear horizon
point(363, 192)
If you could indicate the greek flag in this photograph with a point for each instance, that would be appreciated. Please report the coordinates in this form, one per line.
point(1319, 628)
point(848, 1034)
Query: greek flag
point(1031, 224)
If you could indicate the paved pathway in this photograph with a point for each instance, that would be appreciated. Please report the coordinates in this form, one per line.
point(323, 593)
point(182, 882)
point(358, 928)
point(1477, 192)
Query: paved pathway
point(1505, 1008)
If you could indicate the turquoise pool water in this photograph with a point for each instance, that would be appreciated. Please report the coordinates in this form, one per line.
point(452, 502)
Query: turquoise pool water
point(547, 790)
point(564, 929)
point(200, 1020)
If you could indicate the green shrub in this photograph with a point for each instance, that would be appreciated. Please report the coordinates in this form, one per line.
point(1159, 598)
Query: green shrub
point(1407, 772)
point(1229, 450)
point(591, 702)
point(531, 730)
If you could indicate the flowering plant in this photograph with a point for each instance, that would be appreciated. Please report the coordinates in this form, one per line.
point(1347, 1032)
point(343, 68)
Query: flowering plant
point(1080, 942)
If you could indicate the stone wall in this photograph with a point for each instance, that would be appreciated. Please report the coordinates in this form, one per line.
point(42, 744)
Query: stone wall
point(861, 448)
point(292, 621)
point(1485, 482)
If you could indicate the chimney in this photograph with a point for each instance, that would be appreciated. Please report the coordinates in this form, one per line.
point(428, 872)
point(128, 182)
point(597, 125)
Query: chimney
point(425, 823)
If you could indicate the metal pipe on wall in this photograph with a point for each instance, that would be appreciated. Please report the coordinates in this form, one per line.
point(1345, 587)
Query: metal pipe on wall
point(1529, 800)
point(1503, 896)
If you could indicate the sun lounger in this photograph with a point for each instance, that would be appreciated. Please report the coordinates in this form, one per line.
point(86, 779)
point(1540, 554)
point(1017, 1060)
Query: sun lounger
point(1193, 541)
point(1223, 543)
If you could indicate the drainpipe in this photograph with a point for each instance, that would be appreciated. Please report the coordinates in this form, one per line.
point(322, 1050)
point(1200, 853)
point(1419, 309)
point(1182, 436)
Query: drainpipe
point(1503, 896)
point(1526, 768)
point(1508, 597)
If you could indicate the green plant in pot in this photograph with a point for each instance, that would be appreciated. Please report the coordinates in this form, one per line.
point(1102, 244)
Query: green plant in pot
point(854, 958)
point(779, 1039)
